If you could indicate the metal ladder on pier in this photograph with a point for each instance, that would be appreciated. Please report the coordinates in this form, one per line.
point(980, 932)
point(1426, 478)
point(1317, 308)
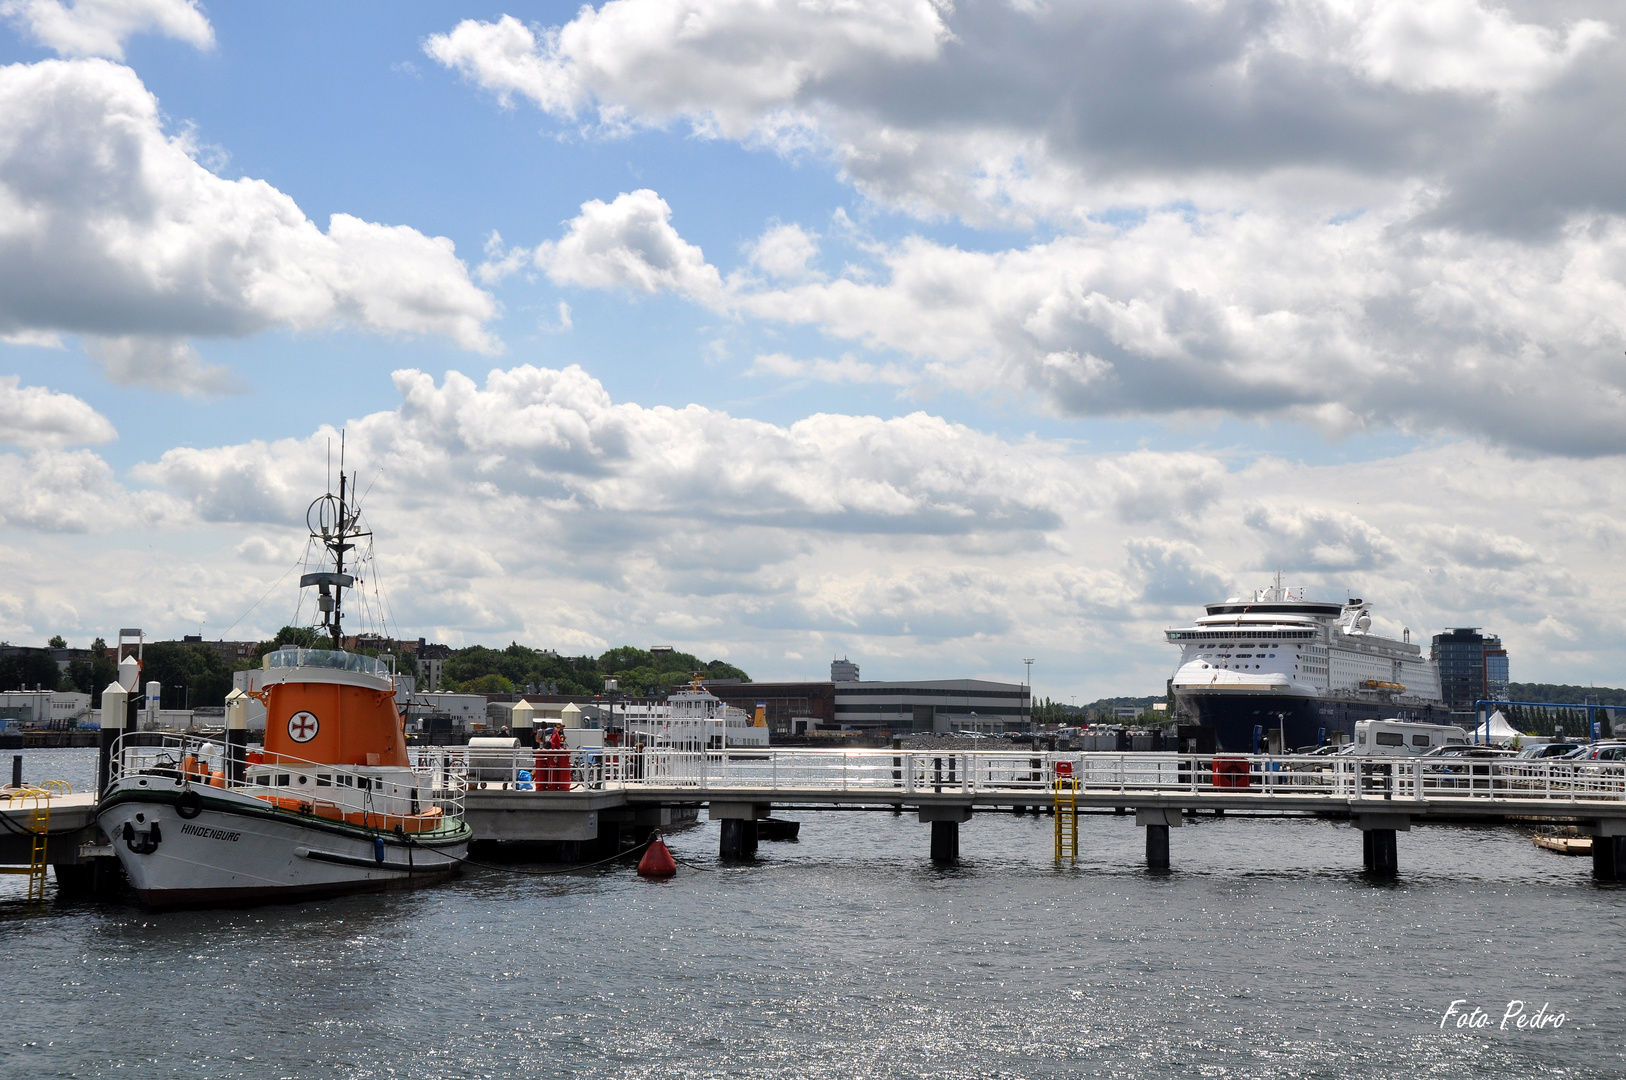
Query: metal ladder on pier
point(1064, 807)
point(39, 823)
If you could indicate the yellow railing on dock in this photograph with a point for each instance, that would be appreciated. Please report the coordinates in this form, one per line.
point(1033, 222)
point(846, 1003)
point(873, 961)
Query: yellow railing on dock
point(39, 824)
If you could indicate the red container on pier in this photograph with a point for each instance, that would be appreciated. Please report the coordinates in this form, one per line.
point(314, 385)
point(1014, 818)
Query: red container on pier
point(1232, 772)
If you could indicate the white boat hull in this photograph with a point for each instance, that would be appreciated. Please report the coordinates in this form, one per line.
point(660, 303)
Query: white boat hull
point(222, 847)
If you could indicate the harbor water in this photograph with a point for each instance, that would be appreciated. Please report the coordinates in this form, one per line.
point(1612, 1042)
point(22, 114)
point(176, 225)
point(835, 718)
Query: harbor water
point(1265, 952)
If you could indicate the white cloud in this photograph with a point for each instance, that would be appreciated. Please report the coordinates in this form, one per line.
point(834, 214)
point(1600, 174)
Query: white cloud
point(1344, 325)
point(916, 545)
point(630, 244)
point(170, 364)
point(100, 27)
point(74, 491)
point(729, 60)
point(1423, 45)
point(110, 228)
point(847, 369)
point(785, 251)
point(997, 111)
point(35, 416)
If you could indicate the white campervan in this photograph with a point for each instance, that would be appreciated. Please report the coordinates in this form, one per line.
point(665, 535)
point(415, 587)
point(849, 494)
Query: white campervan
point(1397, 738)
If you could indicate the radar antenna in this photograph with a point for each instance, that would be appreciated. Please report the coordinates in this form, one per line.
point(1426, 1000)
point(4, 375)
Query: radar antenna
point(334, 521)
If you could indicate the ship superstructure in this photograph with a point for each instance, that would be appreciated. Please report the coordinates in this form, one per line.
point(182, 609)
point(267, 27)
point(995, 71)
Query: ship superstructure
point(1299, 671)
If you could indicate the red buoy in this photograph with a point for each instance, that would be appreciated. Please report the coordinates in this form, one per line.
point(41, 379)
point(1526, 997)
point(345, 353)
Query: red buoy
point(657, 861)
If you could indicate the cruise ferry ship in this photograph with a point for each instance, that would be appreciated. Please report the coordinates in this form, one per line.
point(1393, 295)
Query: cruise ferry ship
point(1300, 671)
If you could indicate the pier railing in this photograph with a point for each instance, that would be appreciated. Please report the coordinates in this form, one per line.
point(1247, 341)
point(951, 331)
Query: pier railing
point(984, 774)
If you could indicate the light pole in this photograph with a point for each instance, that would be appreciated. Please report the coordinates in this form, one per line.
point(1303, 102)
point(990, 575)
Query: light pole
point(610, 688)
point(1028, 660)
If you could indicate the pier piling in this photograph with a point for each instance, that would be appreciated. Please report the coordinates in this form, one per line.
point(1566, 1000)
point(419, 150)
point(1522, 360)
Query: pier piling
point(1378, 851)
point(945, 822)
point(1608, 851)
point(1157, 821)
point(1157, 847)
point(739, 827)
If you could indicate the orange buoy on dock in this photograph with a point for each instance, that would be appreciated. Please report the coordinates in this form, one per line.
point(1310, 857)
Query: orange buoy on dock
point(657, 861)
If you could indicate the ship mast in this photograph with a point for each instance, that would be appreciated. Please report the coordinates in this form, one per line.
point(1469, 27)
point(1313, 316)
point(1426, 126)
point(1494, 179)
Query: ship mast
point(336, 522)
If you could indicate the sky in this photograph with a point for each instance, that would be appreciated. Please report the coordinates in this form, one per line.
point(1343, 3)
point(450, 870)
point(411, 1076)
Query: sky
point(934, 335)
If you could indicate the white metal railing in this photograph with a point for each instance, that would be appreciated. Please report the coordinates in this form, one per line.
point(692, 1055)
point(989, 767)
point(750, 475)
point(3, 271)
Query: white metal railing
point(350, 792)
point(910, 773)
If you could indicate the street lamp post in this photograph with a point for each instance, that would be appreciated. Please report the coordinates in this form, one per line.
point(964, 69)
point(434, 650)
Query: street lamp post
point(1028, 660)
point(610, 689)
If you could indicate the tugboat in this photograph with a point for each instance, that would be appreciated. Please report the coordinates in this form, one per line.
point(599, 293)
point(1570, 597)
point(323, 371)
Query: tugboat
point(331, 805)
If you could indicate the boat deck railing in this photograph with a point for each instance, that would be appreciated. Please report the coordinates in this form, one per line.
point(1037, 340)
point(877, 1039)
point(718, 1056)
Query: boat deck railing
point(282, 779)
point(988, 774)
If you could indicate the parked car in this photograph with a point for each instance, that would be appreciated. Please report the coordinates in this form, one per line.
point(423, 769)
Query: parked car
point(1543, 751)
point(1603, 751)
point(1465, 766)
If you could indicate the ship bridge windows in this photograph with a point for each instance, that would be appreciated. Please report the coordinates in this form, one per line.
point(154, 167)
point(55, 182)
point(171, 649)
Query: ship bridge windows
point(1243, 638)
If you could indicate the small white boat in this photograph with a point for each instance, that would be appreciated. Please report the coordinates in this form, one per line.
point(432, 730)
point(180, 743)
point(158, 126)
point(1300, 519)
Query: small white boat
point(332, 803)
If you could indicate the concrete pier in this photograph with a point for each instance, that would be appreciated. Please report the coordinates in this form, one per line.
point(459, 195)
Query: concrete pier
point(945, 822)
point(1157, 821)
point(1608, 849)
point(1379, 854)
point(739, 827)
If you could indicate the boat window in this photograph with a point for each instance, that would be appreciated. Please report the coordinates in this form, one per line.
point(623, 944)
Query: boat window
point(263, 781)
point(302, 781)
point(282, 779)
point(1453, 741)
point(1390, 738)
point(1419, 740)
point(324, 779)
point(346, 780)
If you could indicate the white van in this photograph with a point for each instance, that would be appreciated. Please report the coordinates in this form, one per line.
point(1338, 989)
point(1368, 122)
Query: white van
point(1398, 738)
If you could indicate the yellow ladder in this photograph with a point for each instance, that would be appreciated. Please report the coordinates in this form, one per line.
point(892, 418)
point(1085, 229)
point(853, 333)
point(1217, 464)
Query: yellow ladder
point(39, 823)
point(1064, 803)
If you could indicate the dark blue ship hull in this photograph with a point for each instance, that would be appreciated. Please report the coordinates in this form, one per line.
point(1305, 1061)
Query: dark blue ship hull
point(1305, 721)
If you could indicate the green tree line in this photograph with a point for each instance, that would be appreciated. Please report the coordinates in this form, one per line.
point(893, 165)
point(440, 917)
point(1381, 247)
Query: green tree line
point(194, 675)
point(520, 669)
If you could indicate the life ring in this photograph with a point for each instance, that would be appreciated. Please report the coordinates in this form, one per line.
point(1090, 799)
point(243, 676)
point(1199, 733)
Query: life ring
point(189, 805)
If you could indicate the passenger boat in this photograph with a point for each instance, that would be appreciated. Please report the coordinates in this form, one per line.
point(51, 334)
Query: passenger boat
point(1279, 669)
point(697, 719)
point(330, 805)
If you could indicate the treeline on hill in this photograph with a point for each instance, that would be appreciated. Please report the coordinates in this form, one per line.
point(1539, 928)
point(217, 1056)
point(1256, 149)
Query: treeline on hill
point(196, 676)
point(1572, 722)
point(518, 669)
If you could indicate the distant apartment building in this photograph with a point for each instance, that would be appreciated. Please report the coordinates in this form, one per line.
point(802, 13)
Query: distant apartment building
point(232, 652)
point(1473, 667)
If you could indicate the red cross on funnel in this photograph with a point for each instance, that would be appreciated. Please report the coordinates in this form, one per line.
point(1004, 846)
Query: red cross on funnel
point(302, 727)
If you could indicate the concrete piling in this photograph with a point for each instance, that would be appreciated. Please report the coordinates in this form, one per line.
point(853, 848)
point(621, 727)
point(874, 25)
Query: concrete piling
point(945, 822)
point(1608, 852)
point(1157, 821)
point(1157, 847)
point(1379, 854)
point(739, 827)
